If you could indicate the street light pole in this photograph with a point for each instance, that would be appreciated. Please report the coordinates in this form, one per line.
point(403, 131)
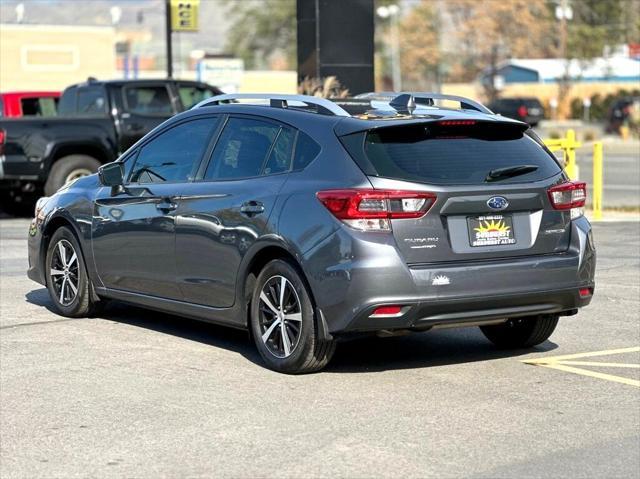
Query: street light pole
point(392, 13)
point(167, 6)
point(395, 49)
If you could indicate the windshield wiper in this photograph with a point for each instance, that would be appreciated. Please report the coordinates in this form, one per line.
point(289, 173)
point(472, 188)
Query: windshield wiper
point(509, 172)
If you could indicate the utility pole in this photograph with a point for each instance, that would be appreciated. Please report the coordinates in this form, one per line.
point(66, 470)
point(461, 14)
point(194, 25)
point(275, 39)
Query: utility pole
point(167, 6)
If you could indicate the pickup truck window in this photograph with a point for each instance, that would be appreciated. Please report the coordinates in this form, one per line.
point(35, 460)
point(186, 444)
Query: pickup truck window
point(191, 95)
point(91, 102)
point(67, 105)
point(148, 100)
point(44, 106)
point(175, 154)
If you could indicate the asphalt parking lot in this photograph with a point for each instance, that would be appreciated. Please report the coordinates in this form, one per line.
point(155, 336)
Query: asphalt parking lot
point(142, 394)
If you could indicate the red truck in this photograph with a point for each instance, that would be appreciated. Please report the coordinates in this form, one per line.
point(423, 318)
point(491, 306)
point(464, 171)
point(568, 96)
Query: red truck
point(29, 103)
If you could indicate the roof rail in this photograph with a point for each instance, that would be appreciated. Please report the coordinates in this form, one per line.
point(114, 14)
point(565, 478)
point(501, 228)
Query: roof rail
point(407, 100)
point(276, 100)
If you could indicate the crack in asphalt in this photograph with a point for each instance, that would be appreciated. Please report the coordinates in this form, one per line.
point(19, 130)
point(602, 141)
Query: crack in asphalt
point(35, 323)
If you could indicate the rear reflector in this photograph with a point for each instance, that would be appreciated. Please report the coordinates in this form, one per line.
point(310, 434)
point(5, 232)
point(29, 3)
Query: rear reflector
point(389, 311)
point(585, 292)
point(372, 210)
point(568, 195)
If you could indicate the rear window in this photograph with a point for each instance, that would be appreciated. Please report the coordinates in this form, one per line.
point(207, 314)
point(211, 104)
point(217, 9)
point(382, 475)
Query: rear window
point(459, 155)
point(43, 106)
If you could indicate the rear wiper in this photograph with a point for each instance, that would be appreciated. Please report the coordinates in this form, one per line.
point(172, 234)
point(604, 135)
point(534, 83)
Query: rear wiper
point(509, 172)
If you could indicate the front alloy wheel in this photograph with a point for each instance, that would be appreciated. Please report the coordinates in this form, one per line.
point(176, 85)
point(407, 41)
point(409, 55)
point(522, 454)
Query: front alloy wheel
point(280, 316)
point(64, 272)
point(66, 276)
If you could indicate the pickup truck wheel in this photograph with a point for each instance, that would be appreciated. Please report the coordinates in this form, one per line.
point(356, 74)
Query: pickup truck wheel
point(521, 332)
point(69, 168)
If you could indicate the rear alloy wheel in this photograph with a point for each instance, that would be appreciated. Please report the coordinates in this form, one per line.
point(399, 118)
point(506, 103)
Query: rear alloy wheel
point(66, 275)
point(283, 322)
point(522, 332)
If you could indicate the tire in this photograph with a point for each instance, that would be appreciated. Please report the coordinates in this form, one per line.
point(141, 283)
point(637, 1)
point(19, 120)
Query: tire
point(306, 353)
point(521, 332)
point(70, 303)
point(67, 169)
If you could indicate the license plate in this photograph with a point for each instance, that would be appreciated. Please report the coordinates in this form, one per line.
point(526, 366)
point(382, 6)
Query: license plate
point(491, 230)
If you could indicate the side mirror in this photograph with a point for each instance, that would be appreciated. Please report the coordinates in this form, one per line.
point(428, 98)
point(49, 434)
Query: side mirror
point(111, 174)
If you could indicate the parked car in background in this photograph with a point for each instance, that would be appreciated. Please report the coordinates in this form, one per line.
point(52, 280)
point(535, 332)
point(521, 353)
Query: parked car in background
point(529, 110)
point(307, 221)
point(29, 103)
point(621, 112)
point(96, 122)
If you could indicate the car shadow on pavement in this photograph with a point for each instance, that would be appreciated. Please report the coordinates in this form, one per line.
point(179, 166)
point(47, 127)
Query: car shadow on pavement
point(418, 350)
point(422, 350)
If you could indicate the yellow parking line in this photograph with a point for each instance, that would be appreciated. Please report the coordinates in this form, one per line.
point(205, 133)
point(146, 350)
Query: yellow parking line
point(594, 374)
point(582, 355)
point(568, 361)
point(602, 365)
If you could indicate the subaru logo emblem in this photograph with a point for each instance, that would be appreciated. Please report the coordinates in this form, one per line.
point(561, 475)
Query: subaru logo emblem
point(497, 203)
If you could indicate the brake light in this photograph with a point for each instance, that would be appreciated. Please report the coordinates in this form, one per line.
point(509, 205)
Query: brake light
point(456, 122)
point(372, 210)
point(522, 111)
point(569, 196)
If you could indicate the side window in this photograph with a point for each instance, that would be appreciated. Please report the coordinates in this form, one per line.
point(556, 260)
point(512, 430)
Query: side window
point(175, 154)
point(148, 100)
point(129, 161)
point(191, 95)
point(306, 151)
point(67, 105)
point(91, 101)
point(242, 149)
point(280, 156)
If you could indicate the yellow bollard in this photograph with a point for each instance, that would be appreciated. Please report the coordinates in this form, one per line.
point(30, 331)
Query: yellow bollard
point(597, 180)
point(568, 146)
point(570, 155)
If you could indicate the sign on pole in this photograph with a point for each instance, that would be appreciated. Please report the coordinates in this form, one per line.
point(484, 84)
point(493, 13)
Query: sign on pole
point(184, 15)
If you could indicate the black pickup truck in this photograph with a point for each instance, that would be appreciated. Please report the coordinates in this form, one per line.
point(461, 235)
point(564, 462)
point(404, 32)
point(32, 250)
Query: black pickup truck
point(96, 122)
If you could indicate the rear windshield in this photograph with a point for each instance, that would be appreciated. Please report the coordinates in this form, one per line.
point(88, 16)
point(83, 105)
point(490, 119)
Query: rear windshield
point(430, 153)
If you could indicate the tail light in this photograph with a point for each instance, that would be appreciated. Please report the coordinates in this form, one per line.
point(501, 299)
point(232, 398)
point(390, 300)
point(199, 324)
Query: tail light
point(522, 111)
point(569, 196)
point(373, 210)
point(456, 122)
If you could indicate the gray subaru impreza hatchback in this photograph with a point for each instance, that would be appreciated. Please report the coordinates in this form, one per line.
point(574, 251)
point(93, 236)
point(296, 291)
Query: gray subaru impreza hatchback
point(308, 221)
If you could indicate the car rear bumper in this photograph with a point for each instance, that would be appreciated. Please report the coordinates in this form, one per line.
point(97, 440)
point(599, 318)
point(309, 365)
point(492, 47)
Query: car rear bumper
point(372, 274)
point(424, 314)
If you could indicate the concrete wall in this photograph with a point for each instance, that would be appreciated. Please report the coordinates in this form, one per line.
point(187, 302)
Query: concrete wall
point(49, 57)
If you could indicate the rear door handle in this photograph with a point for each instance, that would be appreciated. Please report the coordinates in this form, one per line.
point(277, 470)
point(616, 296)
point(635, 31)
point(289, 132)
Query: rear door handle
point(252, 208)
